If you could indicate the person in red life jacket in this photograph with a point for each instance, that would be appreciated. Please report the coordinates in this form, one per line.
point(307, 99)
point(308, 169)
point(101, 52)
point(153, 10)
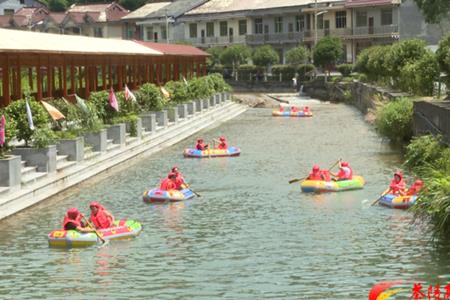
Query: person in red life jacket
point(222, 143)
point(201, 145)
point(72, 221)
point(306, 109)
point(345, 172)
point(281, 108)
point(415, 188)
point(315, 173)
point(179, 180)
point(294, 109)
point(169, 183)
point(100, 217)
point(325, 175)
point(397, 185)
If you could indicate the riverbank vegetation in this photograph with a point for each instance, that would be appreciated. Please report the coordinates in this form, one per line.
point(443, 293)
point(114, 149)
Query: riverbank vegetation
point(91, 115)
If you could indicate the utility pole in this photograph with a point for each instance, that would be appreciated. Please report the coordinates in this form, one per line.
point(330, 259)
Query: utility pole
point(315, 23)
point(167, 27)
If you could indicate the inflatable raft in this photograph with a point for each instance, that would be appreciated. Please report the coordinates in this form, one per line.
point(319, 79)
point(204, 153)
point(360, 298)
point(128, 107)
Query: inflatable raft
point(277, 113)
point(123, 229)
point(396, 201)
point(318, 186)
point(157, 195)
point(231, 151)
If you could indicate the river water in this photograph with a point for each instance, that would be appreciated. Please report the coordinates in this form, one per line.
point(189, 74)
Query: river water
point(250, 236)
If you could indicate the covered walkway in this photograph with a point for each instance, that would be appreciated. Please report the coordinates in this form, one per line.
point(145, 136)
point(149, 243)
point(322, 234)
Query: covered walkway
point(52, 65)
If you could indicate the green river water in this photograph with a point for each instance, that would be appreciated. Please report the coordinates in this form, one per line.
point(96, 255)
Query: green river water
point(250, 236)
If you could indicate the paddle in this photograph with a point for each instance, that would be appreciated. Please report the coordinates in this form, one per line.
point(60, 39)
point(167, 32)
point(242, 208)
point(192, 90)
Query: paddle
point(189, 187)
point(300, 179)
point(95, 230)
point(382, 195)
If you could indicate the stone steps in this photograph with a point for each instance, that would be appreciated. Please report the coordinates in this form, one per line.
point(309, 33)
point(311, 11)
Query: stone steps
point(110, 146)
point(4, 190)
point(89, 154)
point(33, 177)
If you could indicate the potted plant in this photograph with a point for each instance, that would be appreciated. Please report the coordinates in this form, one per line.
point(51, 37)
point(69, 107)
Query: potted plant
point(152, 103)
point(39, 149)
point(10, 165)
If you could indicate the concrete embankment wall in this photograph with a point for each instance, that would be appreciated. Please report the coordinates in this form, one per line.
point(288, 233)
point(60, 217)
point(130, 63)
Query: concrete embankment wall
point(429, 116)
point(432, 117)
point(55, 183)
point(261, 87)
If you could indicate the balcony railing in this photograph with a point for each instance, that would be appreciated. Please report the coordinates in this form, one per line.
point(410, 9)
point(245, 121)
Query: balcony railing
point(289, 37)
point(379, 30)
point(296, 37)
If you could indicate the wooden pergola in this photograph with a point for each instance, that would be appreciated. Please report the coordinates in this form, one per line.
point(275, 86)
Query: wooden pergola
point(50, 65)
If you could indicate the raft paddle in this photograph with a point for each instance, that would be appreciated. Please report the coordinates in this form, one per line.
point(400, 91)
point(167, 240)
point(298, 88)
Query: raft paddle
point(189, 187)
point(382, 195)
point(95, 230)
point(300, 179)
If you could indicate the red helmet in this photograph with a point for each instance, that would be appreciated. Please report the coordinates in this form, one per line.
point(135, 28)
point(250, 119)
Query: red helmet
point(95, 204)
point(73, 213)
point(344, 164)
point(398, 173)
point(306, 107)
point(172, 175)
point(222, 138)
point(199, 140)
point(174, 169)
point(316, 168)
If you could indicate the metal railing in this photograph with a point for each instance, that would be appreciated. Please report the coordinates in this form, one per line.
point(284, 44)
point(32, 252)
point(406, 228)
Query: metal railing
point(379, 30)
point(287, 37)
point(218, 40)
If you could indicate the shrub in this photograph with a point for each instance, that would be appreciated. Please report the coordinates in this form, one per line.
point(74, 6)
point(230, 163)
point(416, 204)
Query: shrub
point(217, 68)
point(423, 151)
point(418, 77)
point(178, 91)
point(127, 107)
point(297, 55)
point(130, 119)
point(345, 69)
point(362, 61)
point(71, 112)
point(219, 84)
point(246, 72)
point(327, 51)
point(149, 97)
point(402, 53)
point(394, 120)
point(18, 112)
point(42, 137)
point(214, 58)
point(443, 54)
point(199, 88)
point(10, 132)
point(287, 72)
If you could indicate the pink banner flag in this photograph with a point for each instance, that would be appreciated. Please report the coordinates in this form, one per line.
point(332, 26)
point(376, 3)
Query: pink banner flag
point(113, 100)
point(128, 94)
point(2, 130)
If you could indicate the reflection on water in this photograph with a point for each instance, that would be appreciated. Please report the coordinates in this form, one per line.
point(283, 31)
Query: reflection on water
point(250, 236)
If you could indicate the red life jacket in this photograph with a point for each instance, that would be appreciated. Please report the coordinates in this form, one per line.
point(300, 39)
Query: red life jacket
point(76, 222)
point(325, 174)
point(179, 181)
point(223, 145)
point(345, 173)
point(100, 220)
point(314, 176)
point(167, 184)
point(397, 186)
point(413, 190)
point(201, 146)
point(294, 109)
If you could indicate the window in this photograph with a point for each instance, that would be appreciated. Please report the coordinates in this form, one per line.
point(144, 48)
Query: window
point(341, 19)
point(223, 28)
point(210, 29)
point(290, 27)
point(149, 33)
point(258, 26)
point(8, 12)
point(22, 1)
point(242, 27)
point(163, 32)
point(361, 19)
point(320, 22)
point(278, 24)
point(193, 30)
point(386, 17)
point(98, 32)
point(300, 23)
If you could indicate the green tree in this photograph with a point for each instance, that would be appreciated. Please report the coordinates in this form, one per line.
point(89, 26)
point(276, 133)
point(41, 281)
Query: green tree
point(57, 5)
point(265, 56)
point(402, 53)
point(214, 58)
point(132, 4)
point(235, 55)
point(327, 51)
point(296, 56)
point(443, 55)
point(434, 11)
point(394, 120)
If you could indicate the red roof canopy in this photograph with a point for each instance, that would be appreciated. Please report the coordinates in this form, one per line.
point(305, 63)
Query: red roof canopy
point(174, 49)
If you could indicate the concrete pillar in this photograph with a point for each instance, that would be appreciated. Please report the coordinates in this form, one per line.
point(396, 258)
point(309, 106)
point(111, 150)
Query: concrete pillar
point(149, 121)
point(182, 111)
point(172, 113)
point(44, 158)
point(205, 103)
point(161, 118)
point(191, 108)
point(98, 140)
point(74, 148)
point(198, 105)
point(117, 133)
point(212, 100)
point(10, 174)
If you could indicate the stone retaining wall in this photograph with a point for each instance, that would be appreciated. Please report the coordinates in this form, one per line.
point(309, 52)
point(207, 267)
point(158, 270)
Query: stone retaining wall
point(432, 117)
